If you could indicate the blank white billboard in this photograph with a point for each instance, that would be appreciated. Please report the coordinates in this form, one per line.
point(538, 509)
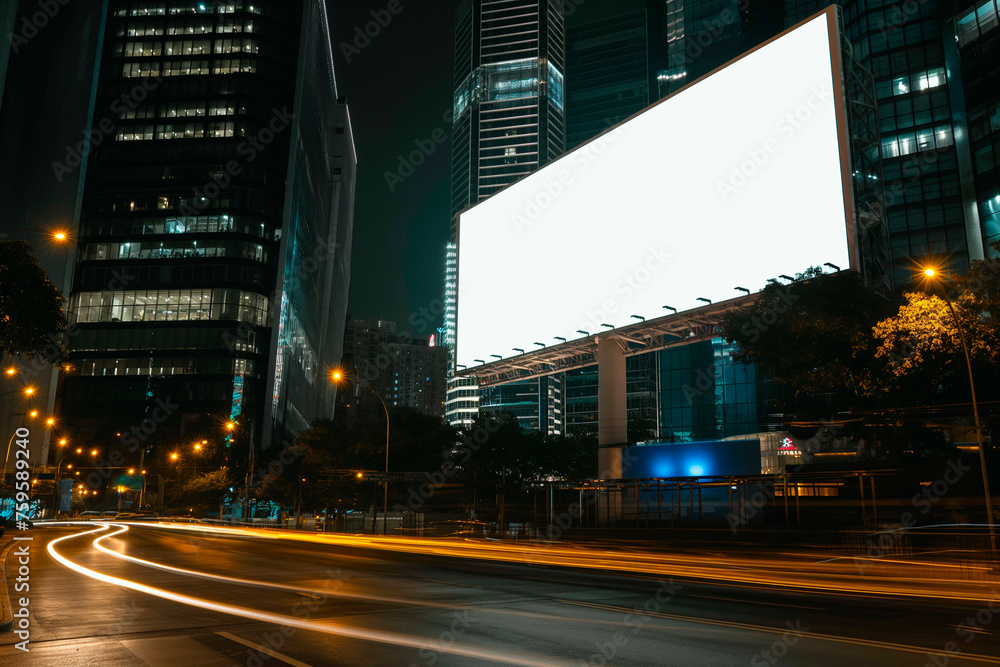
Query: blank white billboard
point(735, 179)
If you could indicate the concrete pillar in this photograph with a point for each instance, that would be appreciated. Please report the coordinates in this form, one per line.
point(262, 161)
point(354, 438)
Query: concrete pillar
point(612, 425)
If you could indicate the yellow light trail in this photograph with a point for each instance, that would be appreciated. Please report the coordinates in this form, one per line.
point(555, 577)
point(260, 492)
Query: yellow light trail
point(771, 573)
point(378, 636)
point(300, 590)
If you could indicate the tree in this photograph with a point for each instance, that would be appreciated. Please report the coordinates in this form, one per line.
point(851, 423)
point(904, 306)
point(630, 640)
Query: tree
point(920, 345)
point(31, 307)
point(208, 490)
point(814, 335)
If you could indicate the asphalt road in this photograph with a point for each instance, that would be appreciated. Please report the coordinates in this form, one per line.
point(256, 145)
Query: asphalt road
point(227, 598)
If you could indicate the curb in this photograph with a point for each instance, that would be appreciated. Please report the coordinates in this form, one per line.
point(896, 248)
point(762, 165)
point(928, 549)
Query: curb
point(6, 610)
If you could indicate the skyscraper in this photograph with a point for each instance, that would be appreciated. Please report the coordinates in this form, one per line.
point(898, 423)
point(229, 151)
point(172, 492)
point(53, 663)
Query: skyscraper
point(509, 120)
point(607, 74)
point(214, 238)
point(405, 372)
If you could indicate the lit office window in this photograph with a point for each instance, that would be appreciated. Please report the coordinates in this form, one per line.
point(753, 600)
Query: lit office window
point(140, 69)
point(140, 49)
point(186, 68)
point(182, 109)
point(180, 131)
point(135, 133)
point(236, 46)
point(235, 66)
point(140, 29)
point(150, 9)
point(184, 28)
point(221, 109)
point(188, 47)
point(171, 306)
point(220, 130)
point(933, 78)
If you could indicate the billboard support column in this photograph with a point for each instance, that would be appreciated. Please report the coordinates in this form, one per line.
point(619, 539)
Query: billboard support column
point(612, 423)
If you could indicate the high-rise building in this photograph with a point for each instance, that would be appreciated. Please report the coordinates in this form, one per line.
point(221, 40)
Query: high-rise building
point(607, 74)
point(509, 120)
point(403, 371)
point(978, 45)
point(214, 237)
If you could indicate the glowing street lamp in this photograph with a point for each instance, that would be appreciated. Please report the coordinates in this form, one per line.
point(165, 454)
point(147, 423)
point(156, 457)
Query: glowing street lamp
point(932, 276)
point(339, 376)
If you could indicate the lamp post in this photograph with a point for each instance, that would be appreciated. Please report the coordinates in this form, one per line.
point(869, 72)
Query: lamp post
point(337, 376)
point(55, 489)
point(932, 275)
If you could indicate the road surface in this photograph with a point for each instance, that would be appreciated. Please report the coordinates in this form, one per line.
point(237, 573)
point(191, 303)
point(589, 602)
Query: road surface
point(190, 598)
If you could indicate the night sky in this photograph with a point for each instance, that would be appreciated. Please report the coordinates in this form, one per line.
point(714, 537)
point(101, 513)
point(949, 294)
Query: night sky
point(398, 89)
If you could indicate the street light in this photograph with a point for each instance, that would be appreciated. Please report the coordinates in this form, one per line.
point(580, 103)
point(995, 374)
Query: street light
point(58, 477)
point(338, 376)
point(932, 277)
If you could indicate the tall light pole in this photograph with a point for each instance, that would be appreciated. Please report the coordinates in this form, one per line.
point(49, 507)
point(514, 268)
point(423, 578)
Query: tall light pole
point(55, 489)
point(338, 376)
point(932, 275)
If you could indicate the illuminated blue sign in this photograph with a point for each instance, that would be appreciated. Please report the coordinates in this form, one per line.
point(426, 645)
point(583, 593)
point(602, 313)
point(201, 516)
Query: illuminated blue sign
point(692, 459)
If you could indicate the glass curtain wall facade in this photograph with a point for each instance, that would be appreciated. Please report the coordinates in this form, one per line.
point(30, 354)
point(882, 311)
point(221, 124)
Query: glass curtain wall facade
point(607, 69)
point(214, 240)
point(509, 120)
point(931, 203)
point(978, 47)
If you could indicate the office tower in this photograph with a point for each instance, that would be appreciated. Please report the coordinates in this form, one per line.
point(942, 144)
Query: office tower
point(607, 74)
point(404, 372)
point(214, 238)
point(509, 120)
point(978, 46)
